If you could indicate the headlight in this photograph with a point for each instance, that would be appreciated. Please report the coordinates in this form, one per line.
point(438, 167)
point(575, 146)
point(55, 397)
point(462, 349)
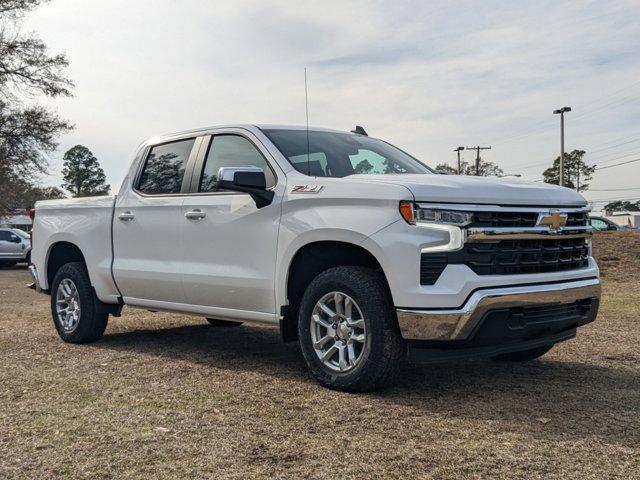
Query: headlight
point(416, 215)
point(449, 221)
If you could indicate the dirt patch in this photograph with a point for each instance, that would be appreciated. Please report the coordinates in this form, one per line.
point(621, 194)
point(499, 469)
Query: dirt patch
point(618, 255)
point(168, 396)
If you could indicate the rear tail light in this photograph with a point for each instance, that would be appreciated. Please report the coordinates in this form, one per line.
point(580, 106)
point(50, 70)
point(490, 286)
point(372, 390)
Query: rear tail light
point(32, 216)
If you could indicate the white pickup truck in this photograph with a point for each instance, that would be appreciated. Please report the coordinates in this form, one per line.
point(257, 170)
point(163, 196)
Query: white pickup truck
point(351, 246)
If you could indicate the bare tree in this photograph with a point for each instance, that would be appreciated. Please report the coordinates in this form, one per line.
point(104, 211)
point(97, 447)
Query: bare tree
point(27, 69)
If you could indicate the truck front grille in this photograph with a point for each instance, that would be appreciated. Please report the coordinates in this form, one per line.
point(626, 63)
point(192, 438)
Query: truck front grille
point(511, 257)
point(520, 219)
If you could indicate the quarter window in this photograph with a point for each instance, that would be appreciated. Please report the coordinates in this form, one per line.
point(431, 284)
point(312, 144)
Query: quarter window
point(231, 151)
point(164, 168)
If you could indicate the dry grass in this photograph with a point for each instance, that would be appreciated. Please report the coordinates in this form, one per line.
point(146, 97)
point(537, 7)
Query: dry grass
point(167, 396)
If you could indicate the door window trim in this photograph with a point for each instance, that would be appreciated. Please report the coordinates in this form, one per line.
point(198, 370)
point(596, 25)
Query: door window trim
point(188, 169)
point(200, 161)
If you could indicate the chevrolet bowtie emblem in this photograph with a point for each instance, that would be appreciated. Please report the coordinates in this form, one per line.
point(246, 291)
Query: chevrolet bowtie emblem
point(554, 220)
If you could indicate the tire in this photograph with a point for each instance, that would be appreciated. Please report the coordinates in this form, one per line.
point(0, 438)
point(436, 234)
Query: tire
point(380, 349)
point(92, 319)
point(223, 323)
point(524, 356)
point(28, 259)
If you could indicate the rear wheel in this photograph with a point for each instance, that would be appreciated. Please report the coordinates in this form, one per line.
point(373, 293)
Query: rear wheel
point(222, 323)
point(348, 331)
point(75, 308)
point(524, 356)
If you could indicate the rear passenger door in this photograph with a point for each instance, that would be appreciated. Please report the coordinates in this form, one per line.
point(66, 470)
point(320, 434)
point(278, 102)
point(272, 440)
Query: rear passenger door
point(147, 220)
point(230, 250)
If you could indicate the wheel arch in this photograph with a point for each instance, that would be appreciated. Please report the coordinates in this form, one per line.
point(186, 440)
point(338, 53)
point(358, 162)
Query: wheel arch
point(306, 263)
point(60, 253)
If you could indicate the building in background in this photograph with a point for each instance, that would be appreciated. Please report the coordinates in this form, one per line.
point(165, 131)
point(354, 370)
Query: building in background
point(19, 220)
point(624, 219)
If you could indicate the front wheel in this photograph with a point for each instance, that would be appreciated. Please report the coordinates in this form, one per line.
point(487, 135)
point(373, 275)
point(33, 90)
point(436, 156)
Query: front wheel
point(524, 356)
point(75, 307)
point(348, 331)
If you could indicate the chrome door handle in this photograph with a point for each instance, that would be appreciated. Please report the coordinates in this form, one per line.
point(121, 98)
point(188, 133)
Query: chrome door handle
point(196, 214)
point(126, 216)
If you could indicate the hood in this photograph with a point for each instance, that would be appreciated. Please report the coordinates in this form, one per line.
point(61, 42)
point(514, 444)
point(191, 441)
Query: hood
point(480, 190)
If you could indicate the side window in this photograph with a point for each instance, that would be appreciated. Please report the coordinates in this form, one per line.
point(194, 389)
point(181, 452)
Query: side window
point(4, 236)
point(164, 168)
point(599, 224)
point(231, 151)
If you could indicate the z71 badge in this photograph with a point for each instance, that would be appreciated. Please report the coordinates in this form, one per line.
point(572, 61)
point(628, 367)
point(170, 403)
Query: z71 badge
point(306, 189)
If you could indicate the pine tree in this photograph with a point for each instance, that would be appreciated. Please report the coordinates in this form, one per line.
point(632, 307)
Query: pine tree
point(576, 172)
point(82, 174)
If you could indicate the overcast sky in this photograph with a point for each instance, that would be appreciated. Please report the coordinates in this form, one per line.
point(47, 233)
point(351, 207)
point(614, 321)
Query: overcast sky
point(427, 76)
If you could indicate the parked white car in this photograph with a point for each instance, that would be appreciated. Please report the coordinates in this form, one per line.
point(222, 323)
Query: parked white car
point(15, 246)
point(357, 250)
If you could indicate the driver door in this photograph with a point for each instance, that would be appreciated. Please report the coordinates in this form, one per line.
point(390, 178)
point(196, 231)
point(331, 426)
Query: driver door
point(228, 244)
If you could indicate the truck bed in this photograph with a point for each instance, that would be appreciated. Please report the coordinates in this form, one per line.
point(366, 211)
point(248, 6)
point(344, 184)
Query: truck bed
point(84, 222)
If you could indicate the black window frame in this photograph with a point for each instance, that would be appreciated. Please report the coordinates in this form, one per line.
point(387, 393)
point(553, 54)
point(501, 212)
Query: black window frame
point(200, 163)
point(188, 167)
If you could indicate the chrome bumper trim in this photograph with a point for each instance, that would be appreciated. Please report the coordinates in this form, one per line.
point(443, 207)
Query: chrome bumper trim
point(36, 280)
point(532, 233)
point(458, 324)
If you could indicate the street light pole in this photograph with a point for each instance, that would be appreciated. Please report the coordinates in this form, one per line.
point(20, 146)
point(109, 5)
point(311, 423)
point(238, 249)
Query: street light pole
point(458, 150)
point(561, 112)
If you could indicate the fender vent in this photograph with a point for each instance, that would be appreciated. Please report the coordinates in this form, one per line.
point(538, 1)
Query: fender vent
point(431, 266)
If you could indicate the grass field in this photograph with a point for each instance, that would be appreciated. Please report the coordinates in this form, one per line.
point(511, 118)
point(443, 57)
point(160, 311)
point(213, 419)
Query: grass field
point(167, 396)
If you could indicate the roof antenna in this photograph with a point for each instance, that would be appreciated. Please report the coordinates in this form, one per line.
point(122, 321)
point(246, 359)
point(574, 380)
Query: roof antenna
point(306, 108)
point(360, 131)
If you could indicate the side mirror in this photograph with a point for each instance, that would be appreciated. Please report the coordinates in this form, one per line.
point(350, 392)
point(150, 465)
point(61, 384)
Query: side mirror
point(249, 179)
point(14, 239)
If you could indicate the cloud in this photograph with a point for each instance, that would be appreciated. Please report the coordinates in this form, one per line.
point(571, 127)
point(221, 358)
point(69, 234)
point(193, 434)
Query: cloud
point(428, 76)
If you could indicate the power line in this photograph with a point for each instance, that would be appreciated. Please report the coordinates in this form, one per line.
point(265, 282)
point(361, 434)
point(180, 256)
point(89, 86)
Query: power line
point(614, 146)
point(601, 160)
point(618, 164)
point(612, 189)
point(543, 126)
point(616, 199)
point(611, 94)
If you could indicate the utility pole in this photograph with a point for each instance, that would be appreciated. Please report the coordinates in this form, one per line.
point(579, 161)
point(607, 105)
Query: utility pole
point(477, 149)
point(458, 150)
point(561, 112)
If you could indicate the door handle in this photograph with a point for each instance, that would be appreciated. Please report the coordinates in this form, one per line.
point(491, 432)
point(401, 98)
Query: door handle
point(126, 216)
point(196, 214)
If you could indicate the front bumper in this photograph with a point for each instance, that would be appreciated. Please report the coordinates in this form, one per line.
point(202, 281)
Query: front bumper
point(459, 325)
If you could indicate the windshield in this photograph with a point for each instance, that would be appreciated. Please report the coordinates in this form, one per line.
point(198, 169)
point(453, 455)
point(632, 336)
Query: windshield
point(21, 233)
point(333, 154)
